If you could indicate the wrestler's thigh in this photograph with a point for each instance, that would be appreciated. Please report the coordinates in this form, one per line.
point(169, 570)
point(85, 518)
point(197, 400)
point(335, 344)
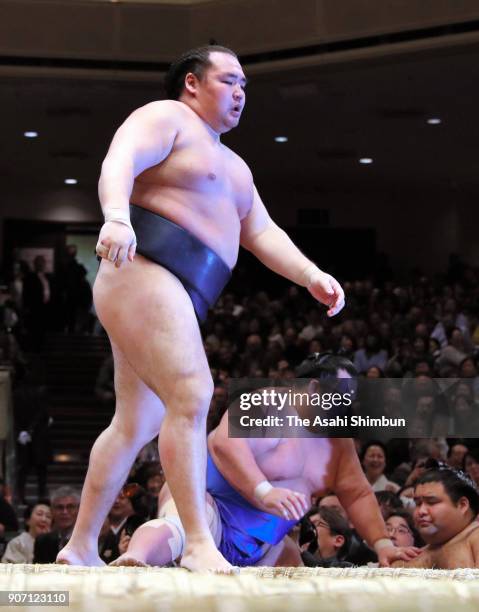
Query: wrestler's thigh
point(136, 404)
point(149, 316)
point(164, 496)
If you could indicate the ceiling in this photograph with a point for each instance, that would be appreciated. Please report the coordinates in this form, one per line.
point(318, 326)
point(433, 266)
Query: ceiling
point(333, 112)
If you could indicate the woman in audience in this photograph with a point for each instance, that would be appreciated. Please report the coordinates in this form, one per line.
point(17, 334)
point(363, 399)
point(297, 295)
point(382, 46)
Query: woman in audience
point(20, 549)
point(374, 464)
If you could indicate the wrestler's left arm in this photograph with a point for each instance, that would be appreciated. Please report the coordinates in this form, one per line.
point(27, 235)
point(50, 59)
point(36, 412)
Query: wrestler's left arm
point(356, 496)
point(275, 249)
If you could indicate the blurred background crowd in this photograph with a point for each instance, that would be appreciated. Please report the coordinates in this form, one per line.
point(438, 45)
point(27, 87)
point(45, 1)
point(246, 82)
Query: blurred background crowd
point(409, 328)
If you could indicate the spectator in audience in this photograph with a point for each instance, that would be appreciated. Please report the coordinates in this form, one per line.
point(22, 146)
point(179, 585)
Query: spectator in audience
point(32, 426)
point(150, 475)
point(434, 349)
point(38, 521)
point(37, 302)
point(105, 386)
point(8, 518)
point(401, 529)
point(124, 520)
point(453, 354)
point(73, 278)
point(388, 501)
point(371, 355)
point(465, 416)
point(406, 495)
point(331, 539)
point(347, 346)
point(374, 372)
point(429, 418)
point(332, 501)
point(373, 460)
point(16, 282)
point(471, 464)
point(65, 504)
point(456, 454)
point(468, 370)
point(314, 328)
point(359, 552)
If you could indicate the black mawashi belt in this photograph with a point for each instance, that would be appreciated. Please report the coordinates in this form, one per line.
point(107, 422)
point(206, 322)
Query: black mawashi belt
point(203, 273)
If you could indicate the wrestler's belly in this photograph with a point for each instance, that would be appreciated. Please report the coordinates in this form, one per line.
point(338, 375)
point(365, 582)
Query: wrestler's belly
point(211, 218)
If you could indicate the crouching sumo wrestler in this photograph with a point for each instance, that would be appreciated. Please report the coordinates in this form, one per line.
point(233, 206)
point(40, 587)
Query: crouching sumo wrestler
point(259, 488)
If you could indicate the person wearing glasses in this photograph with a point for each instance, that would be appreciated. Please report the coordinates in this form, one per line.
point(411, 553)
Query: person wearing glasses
point(65, 504)
point(126, 515)
point(330, 541)
point(259, 488)
point(401, 529)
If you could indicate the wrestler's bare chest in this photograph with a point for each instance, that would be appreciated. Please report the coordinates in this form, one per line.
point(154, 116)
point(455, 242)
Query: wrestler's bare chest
point(201, 185)
point(302, 464)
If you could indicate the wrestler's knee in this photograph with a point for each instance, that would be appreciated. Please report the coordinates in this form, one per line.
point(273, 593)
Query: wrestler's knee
point(192, 396)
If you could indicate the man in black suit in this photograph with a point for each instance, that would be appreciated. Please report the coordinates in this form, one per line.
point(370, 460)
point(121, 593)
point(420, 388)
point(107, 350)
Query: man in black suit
point(37, 302)
point(65, 504)
point(126, 515)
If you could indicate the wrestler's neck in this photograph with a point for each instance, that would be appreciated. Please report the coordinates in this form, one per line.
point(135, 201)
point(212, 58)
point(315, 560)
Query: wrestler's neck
point(441, 541)
point(212, 124)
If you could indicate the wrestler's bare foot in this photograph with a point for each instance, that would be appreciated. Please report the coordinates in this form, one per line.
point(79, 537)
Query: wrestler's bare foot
point(71, 556)
point(128, 560)
point(205, 557)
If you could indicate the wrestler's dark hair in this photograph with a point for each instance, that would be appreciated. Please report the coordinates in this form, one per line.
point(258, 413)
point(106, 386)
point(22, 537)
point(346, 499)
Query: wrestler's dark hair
point(407, 516)
point(456, 483)
point(337, 524)
point(196, 61)
point(324, 365)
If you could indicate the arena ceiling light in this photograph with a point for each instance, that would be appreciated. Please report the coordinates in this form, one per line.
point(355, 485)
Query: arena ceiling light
point(366, 160)
point(281, 139)
point(30, 134)
point(70, 181)
point(434, 121)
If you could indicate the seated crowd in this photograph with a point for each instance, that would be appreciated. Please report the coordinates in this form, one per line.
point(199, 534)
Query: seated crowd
point(416, 330)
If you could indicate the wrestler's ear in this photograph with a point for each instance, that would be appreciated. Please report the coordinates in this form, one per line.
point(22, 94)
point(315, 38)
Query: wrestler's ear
point(191, 83)
point(463, 504)
point(314, 386)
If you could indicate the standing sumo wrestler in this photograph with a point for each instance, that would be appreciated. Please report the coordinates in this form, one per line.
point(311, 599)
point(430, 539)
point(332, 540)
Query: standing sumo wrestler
point(177, 206)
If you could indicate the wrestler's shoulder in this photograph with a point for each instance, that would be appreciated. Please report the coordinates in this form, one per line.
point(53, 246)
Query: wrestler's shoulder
point(474, 534)
point(172, 110)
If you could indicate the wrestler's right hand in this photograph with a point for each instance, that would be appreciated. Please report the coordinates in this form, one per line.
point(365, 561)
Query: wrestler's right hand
point(286, 503)
point(116, 242)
